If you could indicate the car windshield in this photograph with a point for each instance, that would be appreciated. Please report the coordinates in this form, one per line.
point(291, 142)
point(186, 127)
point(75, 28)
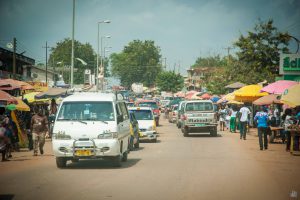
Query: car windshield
point(95, 111)
point(199, 106)
point(143, 114)
point(149, 104)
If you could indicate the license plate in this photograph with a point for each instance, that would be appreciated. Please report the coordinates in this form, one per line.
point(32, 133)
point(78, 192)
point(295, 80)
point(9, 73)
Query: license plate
point(199, 125)
point(83, 153)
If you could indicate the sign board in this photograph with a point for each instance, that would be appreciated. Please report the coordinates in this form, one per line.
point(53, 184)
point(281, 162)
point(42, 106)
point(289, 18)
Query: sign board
point(289, 64)
point(87, 71)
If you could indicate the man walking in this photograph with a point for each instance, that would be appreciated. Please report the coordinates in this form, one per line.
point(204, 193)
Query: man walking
point(261, 118)
point(39, 127)
point(244, 115)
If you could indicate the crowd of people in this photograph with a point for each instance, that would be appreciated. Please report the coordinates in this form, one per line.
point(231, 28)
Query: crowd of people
point(34, 124)
point(238, 117)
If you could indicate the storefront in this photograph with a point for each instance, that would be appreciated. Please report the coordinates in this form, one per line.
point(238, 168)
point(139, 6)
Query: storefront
point(290, 66)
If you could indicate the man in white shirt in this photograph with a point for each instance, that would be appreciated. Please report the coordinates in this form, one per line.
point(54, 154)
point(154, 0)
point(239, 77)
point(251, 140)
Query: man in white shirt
point(244, 116)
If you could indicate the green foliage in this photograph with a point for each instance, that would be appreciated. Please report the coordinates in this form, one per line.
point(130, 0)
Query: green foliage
point(258, 53)
point(211, 61)
point(169, 81)
point(138, 62)
point(62, 53)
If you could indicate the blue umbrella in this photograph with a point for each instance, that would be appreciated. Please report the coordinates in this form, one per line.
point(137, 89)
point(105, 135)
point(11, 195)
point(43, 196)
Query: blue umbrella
point(215, 99)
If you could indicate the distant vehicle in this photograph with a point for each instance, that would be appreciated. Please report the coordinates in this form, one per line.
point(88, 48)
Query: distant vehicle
point(91, 126)
point(134, 141)
point(199, 116)
point(130, 104)
point(147, 125)
point(164, 104)
point(62, 84)
point(152, 104)
point(179, 116)
point(173, 113)
point(137, 88)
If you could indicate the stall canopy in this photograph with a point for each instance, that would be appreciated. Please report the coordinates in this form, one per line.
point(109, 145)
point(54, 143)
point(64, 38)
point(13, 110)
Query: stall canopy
point(291, 96)
point(21, 106)
point(278, 87)
point(267, 100)
point(52, 93)
point(235, 85)
point(205, 96)
point(226, 98)
point(6, 98)
point(31, 98)
point(249, 93)
point(214, 98)
point(16, 83)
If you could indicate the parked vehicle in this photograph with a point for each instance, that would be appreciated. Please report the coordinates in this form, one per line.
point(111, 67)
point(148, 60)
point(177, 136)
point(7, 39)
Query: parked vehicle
point(199, 116)
point(147, 125)
point(91, 126)
point(173, 113)
point(152, 104)
point(130, 104)
point(134, 141)
point(137, 88)
point(180, 114)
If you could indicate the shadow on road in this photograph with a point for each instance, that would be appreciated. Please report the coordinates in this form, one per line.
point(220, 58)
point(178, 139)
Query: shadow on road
point(203, 135)
point(6, 196)
point(100, 164)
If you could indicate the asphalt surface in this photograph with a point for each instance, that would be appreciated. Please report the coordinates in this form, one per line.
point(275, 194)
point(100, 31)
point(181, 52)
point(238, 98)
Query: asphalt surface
point(176, 167)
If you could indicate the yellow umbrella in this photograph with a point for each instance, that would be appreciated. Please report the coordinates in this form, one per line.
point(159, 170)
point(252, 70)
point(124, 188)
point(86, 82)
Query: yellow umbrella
point(235, 102)
point(249, 93)
point(226, 98)
point(30, 97)
point(291, 96)
point(21, 106)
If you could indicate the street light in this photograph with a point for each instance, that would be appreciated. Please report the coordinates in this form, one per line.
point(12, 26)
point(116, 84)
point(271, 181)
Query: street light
point(106, 49)
point(82, 61)
point(98, 23)
point(101, 65)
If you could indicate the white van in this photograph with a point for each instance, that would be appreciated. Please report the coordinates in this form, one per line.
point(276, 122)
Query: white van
point(91, 126)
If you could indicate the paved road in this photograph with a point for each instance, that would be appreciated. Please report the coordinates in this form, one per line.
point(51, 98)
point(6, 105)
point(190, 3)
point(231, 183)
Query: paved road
point(198, 167)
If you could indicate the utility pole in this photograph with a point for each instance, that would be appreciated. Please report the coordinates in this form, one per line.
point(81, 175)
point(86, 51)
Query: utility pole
point(14, 56)
point(179, 67)
point(46, 47)
point(228, 51)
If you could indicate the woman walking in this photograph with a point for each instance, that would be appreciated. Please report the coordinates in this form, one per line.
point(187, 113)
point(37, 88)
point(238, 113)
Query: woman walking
point(261, 118)
point(233, 120)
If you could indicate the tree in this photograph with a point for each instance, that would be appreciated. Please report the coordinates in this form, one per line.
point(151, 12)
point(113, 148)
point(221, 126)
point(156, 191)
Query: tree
point(60, 57)
point(138, 62)
point(210, 61)
point(169, 81)
point(258, 54)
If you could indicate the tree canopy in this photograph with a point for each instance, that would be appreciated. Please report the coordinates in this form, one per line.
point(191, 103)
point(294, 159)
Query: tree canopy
point(169, 81)
point(138, 62)
point(60, 58)
point(210, 61)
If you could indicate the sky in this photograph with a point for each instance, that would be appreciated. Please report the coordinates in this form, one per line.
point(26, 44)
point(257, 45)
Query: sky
point(183, 29)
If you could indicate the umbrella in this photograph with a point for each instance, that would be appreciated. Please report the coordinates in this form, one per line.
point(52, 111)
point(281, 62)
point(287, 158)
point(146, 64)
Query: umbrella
point(235, 85)
point(11, 107)
point(234, 102)
point(205, 96)
point(21, 106)
point(214, 98)
point(191, 94)
point(52, 93)
point(249, 93)
point(291, 96)
point(226, 98)
point(30, 97)
point(7, 98)
point(278, 87)
point(179, 94)
point(267, 100)
point(196, 96)
point(21, 84)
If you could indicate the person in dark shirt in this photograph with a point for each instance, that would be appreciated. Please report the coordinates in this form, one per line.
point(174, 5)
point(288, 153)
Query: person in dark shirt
point(39, 127)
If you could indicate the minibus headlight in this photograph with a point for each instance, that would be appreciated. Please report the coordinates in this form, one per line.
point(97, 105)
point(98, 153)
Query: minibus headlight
point(108, 135)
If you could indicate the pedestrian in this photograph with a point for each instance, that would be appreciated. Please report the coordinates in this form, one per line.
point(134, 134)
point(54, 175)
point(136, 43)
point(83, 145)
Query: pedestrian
point(288, 121)
point(244, 117)
point(222, 114)
point(227, 116)
point(233, 120)
point(261, 118)
point(39, 127)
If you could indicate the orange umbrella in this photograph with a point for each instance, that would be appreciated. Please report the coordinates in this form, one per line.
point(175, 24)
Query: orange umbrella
point(205, 96)
point(267, 100)
point(7, 98)
point(23, 85)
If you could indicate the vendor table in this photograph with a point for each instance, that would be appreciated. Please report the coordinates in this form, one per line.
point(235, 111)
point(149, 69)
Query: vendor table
point(294, 132)
point(275, 132)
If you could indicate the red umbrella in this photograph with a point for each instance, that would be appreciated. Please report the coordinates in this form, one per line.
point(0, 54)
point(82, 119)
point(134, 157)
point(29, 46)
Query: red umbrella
point(7, 98)
point(205, 96)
